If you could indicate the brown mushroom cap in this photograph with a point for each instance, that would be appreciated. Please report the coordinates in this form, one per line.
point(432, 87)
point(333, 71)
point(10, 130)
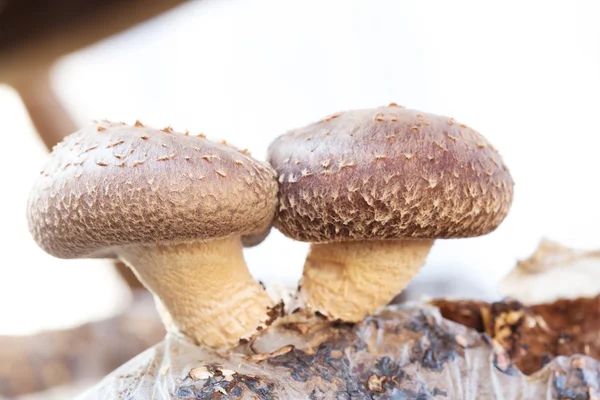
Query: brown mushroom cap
point(388, 173)
point(256, 238)
point(112, 185)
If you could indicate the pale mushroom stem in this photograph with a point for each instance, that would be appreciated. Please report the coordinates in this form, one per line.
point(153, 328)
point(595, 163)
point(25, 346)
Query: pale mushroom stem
point(350, 280)
point(203, 289)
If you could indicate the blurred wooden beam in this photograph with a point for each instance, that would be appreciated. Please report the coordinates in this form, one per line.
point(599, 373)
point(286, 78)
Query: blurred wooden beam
point(34, 33)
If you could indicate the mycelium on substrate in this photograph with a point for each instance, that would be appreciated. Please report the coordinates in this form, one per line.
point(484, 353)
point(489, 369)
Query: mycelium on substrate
point(400, 353)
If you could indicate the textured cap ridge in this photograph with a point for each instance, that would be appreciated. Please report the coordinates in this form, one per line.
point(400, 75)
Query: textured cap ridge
point(112, 184)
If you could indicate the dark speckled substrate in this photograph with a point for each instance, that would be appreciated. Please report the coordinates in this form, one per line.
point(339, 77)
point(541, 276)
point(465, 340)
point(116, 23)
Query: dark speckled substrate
point(406, 352)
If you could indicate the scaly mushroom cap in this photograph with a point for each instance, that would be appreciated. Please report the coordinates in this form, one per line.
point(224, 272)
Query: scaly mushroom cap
point(112, 185)
point(388, 173)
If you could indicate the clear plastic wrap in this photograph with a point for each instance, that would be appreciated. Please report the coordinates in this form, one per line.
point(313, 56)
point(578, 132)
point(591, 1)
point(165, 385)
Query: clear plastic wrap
point(404, 352)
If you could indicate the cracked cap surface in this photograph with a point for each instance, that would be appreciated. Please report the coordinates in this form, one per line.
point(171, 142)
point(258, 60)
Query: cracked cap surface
point(388, 173)
point(112, 184)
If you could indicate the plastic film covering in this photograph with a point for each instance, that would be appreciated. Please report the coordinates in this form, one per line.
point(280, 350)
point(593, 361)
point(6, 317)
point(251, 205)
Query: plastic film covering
point(404, 352)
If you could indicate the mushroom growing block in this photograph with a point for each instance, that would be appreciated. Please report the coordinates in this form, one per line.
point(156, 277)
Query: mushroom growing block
point(371, 189)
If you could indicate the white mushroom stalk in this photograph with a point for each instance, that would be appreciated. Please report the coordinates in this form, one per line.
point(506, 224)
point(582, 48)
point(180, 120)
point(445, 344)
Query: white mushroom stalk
point(175, 208)
point(371, 190)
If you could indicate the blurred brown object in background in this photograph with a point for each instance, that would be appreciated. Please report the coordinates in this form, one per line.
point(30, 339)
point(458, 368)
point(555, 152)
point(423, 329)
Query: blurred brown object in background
point(34, 34)
point(56, 393)
point(533, 334)
point(86, 353)
point(45, 110)
point(128, 276)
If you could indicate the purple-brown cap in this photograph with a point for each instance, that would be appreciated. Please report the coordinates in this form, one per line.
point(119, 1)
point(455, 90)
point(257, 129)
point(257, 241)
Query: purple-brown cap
point(112, 185)
point(388, 173)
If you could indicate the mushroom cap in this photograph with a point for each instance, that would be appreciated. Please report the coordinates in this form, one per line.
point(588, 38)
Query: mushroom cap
point(111, 185)
point(256, 238)
point(388, 173)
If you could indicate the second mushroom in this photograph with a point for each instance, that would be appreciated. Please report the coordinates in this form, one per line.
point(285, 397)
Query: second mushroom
point(176, 208)
point(371, 189)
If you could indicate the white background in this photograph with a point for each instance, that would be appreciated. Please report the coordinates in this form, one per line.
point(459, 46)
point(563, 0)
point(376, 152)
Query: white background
point(524, 74)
